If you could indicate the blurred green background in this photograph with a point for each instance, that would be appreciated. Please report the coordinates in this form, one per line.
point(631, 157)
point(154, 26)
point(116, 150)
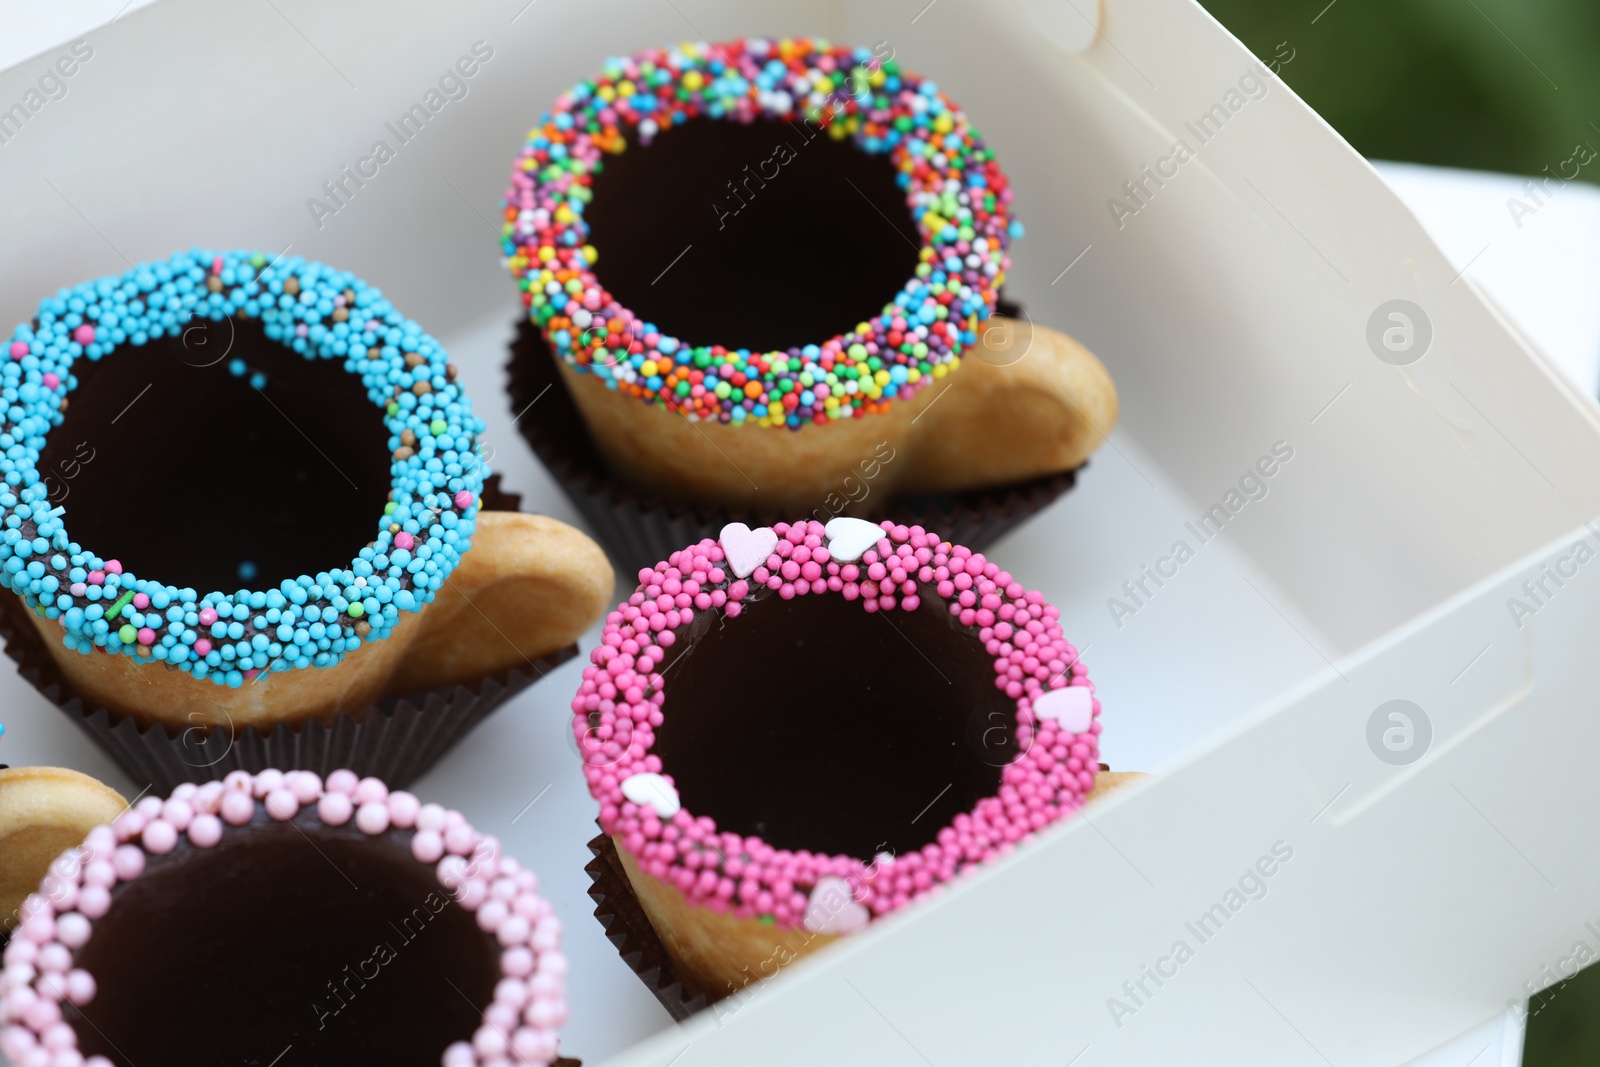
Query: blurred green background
point(1564, 1023)
point(1506, 85)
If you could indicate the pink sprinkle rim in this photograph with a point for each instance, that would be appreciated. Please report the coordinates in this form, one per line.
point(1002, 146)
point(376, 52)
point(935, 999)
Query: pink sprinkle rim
point(520, 1025)
point(618, 708)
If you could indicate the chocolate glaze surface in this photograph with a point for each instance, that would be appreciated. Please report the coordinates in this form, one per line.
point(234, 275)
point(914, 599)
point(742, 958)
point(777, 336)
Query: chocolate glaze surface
point(337, 947)
point(786, 236)
point(183, 471)
point(814, 724)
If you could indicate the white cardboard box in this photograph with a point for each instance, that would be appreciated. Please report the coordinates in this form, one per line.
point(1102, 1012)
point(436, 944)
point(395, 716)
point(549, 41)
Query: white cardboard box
point(1233, 308)
point(1530, 245)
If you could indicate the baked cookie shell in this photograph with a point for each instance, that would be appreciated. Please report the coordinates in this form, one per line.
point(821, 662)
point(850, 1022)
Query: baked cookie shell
point(640, 524)
point(223, 893)
point(258, 623)
point(957, 195)
point(397, 736)
point(43, 812)
point(696, 876)
point(640, 913)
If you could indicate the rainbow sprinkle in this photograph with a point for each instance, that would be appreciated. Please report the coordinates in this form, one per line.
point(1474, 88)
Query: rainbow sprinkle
point(954, 189)
point(311, 309)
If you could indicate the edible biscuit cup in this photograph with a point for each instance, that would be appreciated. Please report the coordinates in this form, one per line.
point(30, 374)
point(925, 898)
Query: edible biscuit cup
point(724, 242)
point(244, 494)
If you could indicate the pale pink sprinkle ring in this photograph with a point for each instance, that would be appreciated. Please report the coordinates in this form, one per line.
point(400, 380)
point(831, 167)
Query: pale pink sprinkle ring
point(38, 971)
point(618, 710)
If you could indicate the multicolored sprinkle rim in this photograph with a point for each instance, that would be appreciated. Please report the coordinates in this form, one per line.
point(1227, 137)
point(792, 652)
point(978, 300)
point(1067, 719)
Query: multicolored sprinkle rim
point(955, 190)
point(318, 312)
point(619, 708)
point(529, 1003)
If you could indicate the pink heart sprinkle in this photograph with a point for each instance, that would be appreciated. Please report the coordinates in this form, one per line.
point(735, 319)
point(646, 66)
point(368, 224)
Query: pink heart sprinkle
point(746, 549)
point(833, 909)
point(1072, 706)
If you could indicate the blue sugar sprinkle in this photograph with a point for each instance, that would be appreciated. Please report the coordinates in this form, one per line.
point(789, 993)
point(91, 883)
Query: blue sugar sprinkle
point(40, 562)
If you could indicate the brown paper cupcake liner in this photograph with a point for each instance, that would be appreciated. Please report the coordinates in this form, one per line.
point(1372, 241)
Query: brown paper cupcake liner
point(397, 739)
point(628, 928)
point(640, 529)
point(636, 941)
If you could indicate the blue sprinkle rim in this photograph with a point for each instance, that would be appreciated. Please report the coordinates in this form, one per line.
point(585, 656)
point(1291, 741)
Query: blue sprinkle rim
point(304, 622)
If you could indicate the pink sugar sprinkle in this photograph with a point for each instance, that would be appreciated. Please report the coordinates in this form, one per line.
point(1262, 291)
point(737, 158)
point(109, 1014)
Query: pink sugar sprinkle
point(84, 334)
point(404, 540)
point(335, 809)
point(205, 830)
point(463, 500)
point(159, 837)
point(529, 1002)
point(19, 349)
point(281, 804)
point(237, 808)
point(618, 709)
point(113, 566)
point(51, 380)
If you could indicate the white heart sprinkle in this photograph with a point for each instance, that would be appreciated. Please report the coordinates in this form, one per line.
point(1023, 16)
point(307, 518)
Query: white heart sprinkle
point(1072, 706)
point(648, 789)
point(849, 538)
point(833, 908)
point(746, 549)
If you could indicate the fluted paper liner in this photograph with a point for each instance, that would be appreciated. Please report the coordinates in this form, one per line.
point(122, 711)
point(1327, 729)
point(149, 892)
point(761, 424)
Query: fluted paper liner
point(636, 941)
point(639, 529)
point(396, 739)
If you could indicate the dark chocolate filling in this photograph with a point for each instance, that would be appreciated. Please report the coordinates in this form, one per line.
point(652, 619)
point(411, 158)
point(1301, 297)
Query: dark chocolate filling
point(814, 724)
point(323, 946)
point(764, 235)
point(186, 473)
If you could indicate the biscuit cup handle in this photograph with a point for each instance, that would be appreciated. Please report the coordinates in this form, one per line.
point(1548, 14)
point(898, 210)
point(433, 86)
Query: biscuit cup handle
point(43, 812)
point(1028, 401)
point(528, 586)
point(1108, 782)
